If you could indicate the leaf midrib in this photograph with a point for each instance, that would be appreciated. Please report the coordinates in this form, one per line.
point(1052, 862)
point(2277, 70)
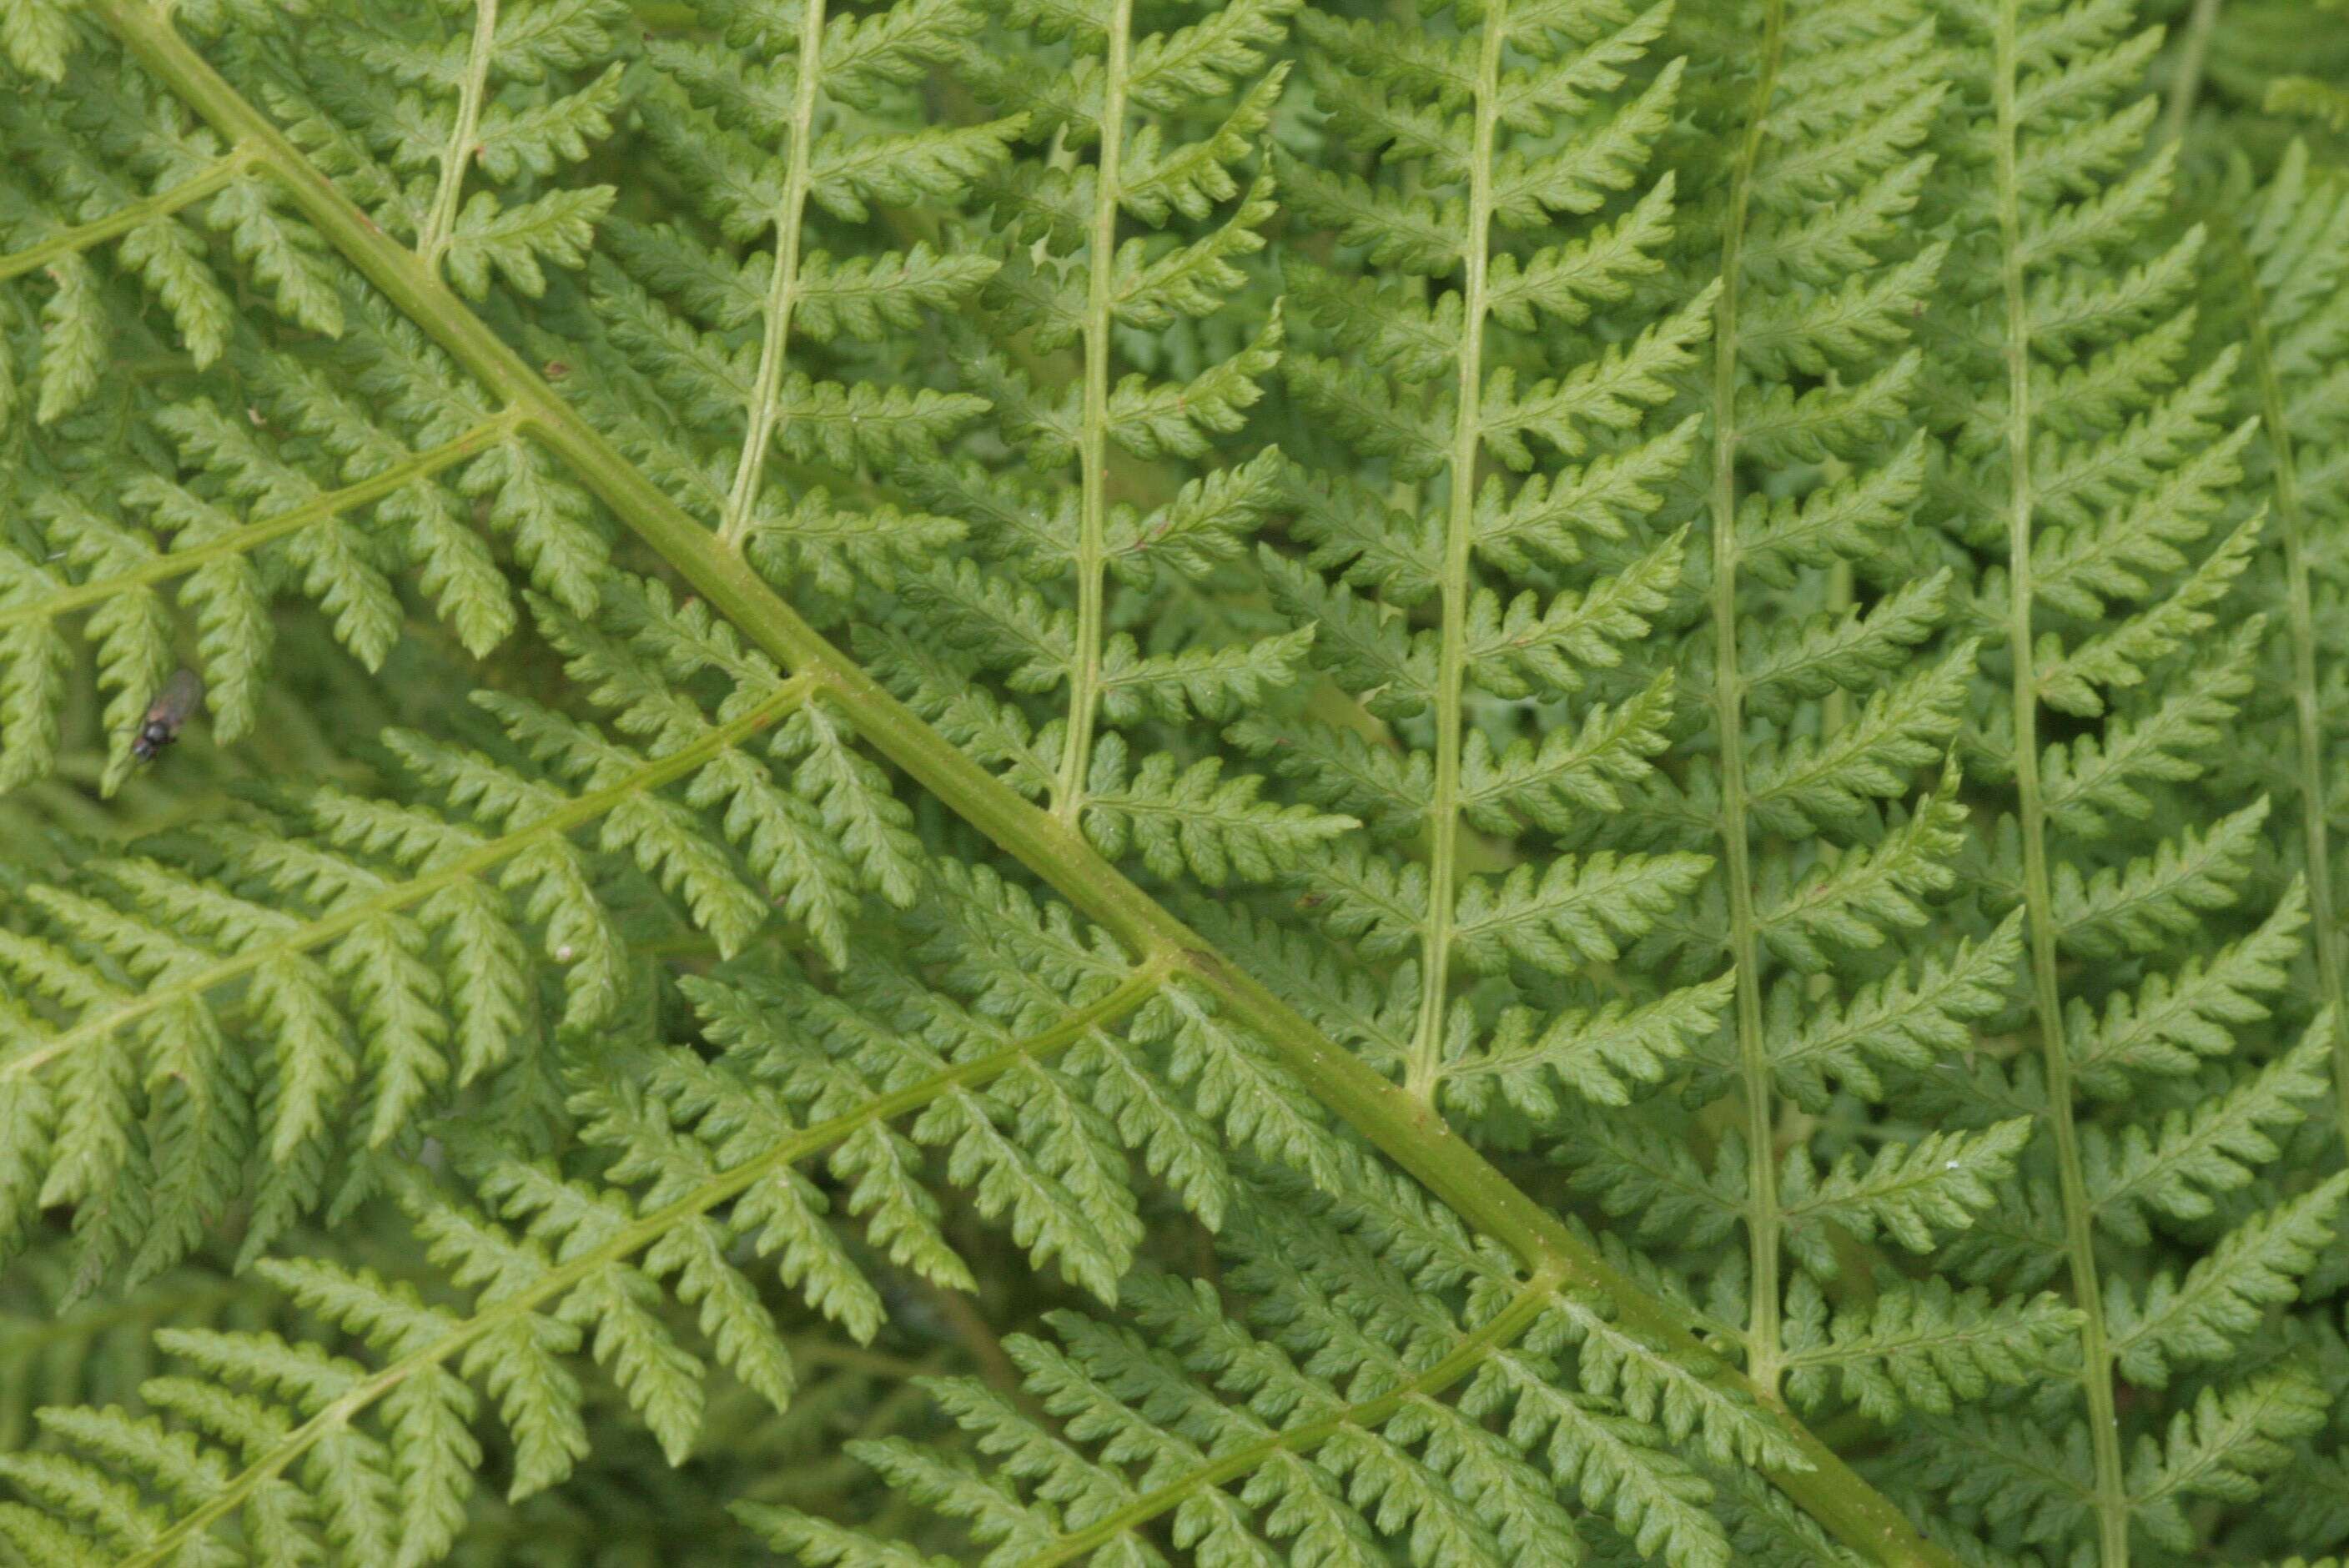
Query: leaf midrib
point(2109, 1500)
point(1764, 1218)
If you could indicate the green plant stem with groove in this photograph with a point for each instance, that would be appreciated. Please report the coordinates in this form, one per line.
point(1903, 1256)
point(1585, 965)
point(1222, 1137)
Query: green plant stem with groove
point(1467, 437)
point(1389, 1118)
point(2111, 1497)
point(1092, 447)
point(2293, 524)
point(1763, 1219)
point(774, 345)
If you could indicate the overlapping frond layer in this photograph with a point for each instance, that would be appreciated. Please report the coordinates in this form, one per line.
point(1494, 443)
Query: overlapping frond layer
point(1825, 785)
point(1508, 196)
point(2272, 73)
point(288, 994)
point(2096, 456)
point(715, 1164)
point(1106, 501)
point(337, 469)
point(734, 374)
point(2289, 305)
point(1455, 1429)
point(347, 472)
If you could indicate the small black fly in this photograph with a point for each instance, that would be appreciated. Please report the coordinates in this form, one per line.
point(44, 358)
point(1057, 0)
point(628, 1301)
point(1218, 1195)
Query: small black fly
point(168, 711)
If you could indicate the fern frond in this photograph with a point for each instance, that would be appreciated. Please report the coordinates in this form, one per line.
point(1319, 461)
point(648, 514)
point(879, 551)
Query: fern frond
point(310, 492)
point(1924, 1347)
point(1776, 583)
point(2295, 305)
point(2176, 1168)
point(544, 1262)
point(2204, 1315)
point(2220, 1449)
point(2101, 461)
point(1589, 1054)
point(1941, 1180)
point(383, 948)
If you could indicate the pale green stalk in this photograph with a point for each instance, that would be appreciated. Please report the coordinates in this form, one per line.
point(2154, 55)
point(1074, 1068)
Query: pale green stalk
point(2193, 54)
point(218, 176)
point(782, 286)
point(1459, 537)
point(1093, 440)
point(2110, 1501)
point(1756, 1082)
point(2292, 519)
point(441, 220)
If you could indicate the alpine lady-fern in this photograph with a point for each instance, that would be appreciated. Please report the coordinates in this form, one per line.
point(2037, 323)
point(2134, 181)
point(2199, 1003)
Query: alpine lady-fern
point(1029, 781)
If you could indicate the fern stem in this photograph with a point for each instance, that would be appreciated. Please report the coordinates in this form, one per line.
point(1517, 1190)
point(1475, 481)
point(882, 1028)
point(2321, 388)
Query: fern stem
point(1762, 1217)
point(252, 535)
point(2111, 1499)
point(978, 1339)
point(2186, 83)
point(783, 284)
point(1129, 994)
point(441, 220)
point(2307, 702)
point(1092, 439)
point(1459, 536)
point(1521, 1312)
point(162, 204)
point(579, 811)
point(1401, 1127)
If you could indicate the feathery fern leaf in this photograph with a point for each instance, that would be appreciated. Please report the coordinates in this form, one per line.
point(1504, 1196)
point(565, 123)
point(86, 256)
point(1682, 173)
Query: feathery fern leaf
point(2095, 449)
point(1714, 619)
